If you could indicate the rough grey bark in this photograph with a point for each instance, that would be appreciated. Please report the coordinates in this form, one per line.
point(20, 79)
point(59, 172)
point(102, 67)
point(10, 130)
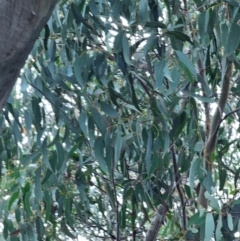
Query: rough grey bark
point(21, 22)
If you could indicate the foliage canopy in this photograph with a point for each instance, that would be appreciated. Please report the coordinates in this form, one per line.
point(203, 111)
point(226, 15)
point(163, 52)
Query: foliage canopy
point(107, 129)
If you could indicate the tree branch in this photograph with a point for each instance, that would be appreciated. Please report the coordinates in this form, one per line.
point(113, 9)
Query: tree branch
point(177, 180)
point(156, 223)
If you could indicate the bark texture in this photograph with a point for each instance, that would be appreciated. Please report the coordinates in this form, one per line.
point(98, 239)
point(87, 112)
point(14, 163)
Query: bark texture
point(21, 23)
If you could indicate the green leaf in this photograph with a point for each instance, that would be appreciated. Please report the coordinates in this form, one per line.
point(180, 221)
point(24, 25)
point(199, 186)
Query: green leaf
point(110, 194)
point(199, 146)
point(133, 92)
point(117, 147)
point(203, 21)
point(155, 24)
point(149, 152)
point(61, 155)
point(27, 205)
point(151, 42)
point(66, 231)
point(68, 211)
point(93, 7)
point(125, 48)
point(12, 199)
point(218, 233)
point(143, 11)
point(36, 111)
point(178, 125)
point(230, 221)
point(166, 139)
point(99, 120)
point(55, 139)
point(78, 67)
point(209, 227)
point(5, 228)
point(179, 35)
point(46, 37)
point(118, 42)
point(52, 51)
point(236, 177)
point(18, 215)
point(158, 70)
point(79, 18)
point(32, 157)
point(223, 178)
point(38, 187)
point(185, 60)
point(40, 227)
point(98, 148)
point(128, 191)
point(109, 110)
point(48, 205)
point(157, 164)
point(83, 123)
point(193, 169)
point(233, 39)
point(213, 201)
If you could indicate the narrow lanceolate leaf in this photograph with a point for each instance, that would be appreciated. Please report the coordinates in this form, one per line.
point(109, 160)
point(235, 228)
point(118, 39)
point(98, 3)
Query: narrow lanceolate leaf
point(151, 42)
point(126, 48)
point(230, 221)
point(203, 20)
point(192, 173)
point(36, 111)
point(83, 123)
point(213, 201)
point(38, 188)
point(99, 120)
point(209, 227)
point(218, 228)
point(79, 18)
point(68, 211)
point(159, 75)
point(46, 37)
point(117, 147)
point(185, 60)
point(27, 205)
point(109, 110)
point(65, 230)
point(223, 178)
point(179, 35)
point(31, 157)
point(78, 67)
point(40, 227)
point(155, 24)
point(12, 199)
point(98, 148)
point(143, 10)
point(61, 154)
point(233, 38)
point(47, 201)
point(149, 151)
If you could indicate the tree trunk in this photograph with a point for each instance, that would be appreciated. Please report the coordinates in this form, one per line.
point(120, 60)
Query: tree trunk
point(21, 22)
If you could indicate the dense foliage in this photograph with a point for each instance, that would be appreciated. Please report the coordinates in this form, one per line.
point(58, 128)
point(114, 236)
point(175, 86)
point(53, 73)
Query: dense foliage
point(108, 124)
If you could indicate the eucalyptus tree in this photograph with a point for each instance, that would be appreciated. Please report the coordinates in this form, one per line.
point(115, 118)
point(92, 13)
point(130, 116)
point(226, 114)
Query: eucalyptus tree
point(124, 125)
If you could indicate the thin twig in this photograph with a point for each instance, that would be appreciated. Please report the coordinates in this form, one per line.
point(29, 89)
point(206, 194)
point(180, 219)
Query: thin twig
point(177, 180)
point(221, 120)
